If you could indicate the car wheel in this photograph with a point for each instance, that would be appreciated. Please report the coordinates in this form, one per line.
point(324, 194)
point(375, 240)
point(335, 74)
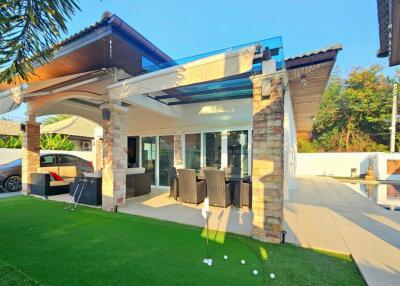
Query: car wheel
point(13, 184)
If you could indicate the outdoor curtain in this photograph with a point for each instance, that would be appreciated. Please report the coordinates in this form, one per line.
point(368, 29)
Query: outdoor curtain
point(214, 67)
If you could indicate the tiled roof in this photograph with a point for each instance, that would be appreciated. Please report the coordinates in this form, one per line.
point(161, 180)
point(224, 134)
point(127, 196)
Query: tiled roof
point(74, 126)
point(335, 47)
point(383, 20)
point(9, 128)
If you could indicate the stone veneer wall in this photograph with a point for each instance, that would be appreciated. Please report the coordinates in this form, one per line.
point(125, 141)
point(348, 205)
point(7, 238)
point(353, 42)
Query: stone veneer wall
point(114, 161)
point(178, 156)
point(30, 154)
point(97, 149)
point(268, 146)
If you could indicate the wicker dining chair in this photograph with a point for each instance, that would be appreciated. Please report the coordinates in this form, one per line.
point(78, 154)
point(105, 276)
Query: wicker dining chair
point(218, 192)
point(190, 191)
point(232, 171)
point(202, 169)
point(173, 182)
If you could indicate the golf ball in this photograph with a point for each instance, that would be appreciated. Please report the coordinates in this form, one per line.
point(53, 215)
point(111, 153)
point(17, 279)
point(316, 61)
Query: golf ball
point(243, 261)
point(255, 272)
point(225, 257)
point(272, 275)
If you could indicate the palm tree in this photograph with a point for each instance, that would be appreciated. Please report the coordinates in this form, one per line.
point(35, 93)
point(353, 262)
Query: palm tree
point(29, 32)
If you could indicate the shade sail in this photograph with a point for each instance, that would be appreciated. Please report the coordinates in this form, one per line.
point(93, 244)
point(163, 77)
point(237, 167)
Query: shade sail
point(11, 99)
point(214, 67)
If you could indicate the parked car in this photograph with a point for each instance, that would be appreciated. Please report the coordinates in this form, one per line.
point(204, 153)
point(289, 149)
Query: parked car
point(10, 173)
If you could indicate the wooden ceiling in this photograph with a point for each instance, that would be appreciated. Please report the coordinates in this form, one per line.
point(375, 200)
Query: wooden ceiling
point(108, 43)
point(307, 85)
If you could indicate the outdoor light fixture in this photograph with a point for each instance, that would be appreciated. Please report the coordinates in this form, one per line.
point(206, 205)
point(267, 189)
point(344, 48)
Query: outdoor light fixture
point(22, 127)
point(303, 79)
point(105, 114)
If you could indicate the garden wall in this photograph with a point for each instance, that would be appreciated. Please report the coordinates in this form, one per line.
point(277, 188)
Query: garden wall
point(386, 166)
point(8, 155)
point(332, 164)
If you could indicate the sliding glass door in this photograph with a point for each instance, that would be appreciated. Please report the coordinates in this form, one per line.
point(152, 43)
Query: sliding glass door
point(238, 150)
point(193, 151)
point(212, 149)
point(166, 157)
point(149, 156)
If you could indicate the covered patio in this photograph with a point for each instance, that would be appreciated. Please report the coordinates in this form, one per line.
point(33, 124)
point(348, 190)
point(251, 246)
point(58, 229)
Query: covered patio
point(237, 107)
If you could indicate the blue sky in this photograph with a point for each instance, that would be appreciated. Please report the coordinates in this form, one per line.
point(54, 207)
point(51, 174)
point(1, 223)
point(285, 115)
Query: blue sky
point(183, 28)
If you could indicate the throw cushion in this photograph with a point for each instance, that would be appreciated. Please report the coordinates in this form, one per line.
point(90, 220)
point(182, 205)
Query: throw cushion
point(56, 177)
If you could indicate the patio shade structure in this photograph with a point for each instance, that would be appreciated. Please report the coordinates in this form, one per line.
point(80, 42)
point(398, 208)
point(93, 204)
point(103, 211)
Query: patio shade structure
point(112, 75)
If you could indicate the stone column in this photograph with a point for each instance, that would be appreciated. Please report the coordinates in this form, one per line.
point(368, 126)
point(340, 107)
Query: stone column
point(114, 157)
point(268, 161)
point(178, 156)
point(97, 150)
point(30, 153)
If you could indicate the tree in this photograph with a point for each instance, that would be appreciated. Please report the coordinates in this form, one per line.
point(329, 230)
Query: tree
point(355, 112)
point(47, 142)
point(55, 142)
point(14, 142)
point(30, 30)
point(55, 118)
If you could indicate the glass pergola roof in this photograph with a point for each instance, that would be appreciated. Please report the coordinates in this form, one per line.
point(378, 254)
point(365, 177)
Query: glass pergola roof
point(238, 86)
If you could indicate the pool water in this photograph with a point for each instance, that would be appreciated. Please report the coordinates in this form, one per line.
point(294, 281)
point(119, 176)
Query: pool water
point(386, 195)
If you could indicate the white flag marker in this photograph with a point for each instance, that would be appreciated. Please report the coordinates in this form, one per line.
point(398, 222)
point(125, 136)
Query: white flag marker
point(204, 212)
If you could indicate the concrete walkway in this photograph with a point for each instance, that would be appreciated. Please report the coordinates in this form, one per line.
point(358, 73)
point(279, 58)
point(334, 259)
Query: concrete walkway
point(9, 194)
point(326, 214)
point(158, 205)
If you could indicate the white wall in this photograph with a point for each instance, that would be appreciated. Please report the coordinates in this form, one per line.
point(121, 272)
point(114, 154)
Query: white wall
point(332, 164)
point(290, 145)
point(8, 155)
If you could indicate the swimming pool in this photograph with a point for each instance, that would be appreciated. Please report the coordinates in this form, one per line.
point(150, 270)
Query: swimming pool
point(386, 195)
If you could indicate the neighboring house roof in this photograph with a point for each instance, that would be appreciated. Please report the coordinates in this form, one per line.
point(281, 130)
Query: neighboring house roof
point(10, 128)
point(389, 30)
point(75, 126)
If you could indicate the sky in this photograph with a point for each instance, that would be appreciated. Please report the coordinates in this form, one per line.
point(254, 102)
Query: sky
point(183, 28)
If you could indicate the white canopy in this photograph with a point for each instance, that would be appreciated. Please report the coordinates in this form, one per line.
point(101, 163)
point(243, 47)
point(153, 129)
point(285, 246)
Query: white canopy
point(214, 67)
point(12, 98)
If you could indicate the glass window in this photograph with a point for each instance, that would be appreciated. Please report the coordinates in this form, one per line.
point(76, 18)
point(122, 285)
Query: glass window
point(238, 150)
point(166, 157)
point(149, 156)
point(212, 149)
point(66, 159)
point(192, 151)
point(47, 160)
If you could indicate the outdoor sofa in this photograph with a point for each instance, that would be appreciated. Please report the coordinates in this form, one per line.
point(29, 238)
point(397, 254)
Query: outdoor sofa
point(43, 184)
point(138, 182)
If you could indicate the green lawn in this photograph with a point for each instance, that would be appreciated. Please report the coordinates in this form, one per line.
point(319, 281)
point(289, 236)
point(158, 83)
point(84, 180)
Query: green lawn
point(43, 243)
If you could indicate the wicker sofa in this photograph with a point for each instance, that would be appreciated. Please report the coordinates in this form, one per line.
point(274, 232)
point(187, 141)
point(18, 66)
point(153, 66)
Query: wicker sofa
point(138, 182)
point(44, 185)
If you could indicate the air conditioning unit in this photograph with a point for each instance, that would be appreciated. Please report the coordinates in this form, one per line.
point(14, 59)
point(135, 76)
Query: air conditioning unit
point(86, 145)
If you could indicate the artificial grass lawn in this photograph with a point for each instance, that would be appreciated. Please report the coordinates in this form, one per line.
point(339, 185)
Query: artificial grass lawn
point(53, 246)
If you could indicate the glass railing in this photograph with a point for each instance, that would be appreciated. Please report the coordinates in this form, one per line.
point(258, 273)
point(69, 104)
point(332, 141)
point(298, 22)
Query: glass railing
point(273, 44)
